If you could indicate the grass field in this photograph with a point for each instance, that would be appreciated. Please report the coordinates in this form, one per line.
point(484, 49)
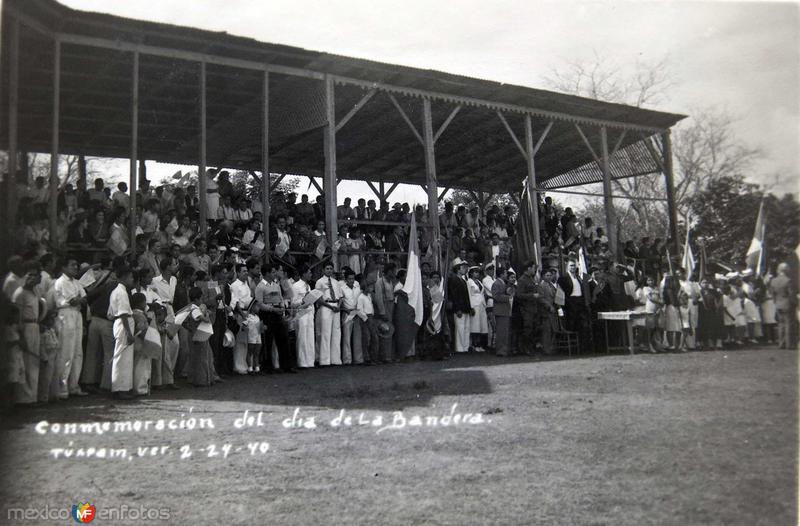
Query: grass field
point(698, 438)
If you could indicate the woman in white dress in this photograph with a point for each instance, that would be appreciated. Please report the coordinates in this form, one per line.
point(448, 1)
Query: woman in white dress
point(478, 321)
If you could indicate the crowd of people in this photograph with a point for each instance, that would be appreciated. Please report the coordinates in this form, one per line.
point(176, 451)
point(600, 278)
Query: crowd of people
point(89, 313)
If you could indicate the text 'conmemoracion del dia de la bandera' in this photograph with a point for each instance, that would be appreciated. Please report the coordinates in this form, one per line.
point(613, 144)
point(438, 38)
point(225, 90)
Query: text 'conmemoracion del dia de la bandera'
point(380, 423)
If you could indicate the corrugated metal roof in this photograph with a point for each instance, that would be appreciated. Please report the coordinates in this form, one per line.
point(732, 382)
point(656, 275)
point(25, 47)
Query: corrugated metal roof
point(476, 151)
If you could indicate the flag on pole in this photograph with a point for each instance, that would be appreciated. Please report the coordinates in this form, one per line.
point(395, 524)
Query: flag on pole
point(583, 269)
point(702, 262)
point(688, 262)
point(413, 284)
point(755, 254)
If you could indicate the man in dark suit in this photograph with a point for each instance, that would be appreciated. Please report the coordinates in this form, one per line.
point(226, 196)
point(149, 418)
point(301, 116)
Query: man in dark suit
point(458, 306)
point(548, 317)
point(785, 295)
point(502, 312)
point(527, 298)
point(576, 308)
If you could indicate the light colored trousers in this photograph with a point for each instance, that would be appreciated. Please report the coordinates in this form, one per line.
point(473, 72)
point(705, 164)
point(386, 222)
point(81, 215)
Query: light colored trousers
point(305, 338)
point(329, 332)
point(69, 361)
point(351, 343)
point(462, 326)
point(122, 361)
point(27, 391)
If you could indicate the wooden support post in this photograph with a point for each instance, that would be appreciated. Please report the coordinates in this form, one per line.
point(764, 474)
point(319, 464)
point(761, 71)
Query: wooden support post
point(666, 145)
point(80, 186)
point(389, 191)
point(432, 183)
point(316, 185)
point(274, 185)
point(265, 184)
point(533, 195)
point(608, 199)
point(382, 195)
point(201, 168)
point(134, 149)
point(52, 209)
point(13, 102)
point(374, 189)
point(142, 172)
point(331, 223)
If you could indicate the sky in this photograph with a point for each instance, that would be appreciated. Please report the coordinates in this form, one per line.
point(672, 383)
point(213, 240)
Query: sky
point(743, 57)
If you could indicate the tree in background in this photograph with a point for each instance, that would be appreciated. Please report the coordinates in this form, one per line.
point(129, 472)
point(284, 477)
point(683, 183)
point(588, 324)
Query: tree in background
point(463, 197)
point(725, 215)
point(705, 148)
point(249, 184)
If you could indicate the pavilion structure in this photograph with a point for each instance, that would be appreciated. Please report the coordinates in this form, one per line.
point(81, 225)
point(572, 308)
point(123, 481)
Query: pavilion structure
point(83, 83)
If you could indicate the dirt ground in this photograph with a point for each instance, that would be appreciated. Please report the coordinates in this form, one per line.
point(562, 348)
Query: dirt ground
point(698, 438)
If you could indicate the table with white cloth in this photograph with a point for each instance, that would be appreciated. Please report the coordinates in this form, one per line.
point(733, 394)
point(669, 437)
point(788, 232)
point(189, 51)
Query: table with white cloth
point(626, 316)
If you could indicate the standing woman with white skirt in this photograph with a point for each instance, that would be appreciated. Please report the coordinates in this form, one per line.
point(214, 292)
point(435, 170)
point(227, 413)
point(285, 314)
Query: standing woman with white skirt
point(478, 321)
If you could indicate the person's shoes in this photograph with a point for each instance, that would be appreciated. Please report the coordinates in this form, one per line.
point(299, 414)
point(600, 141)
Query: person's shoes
point(79, 392)
point(256, 369)
point(292, 370)
point(172, 387)
point(123, 395)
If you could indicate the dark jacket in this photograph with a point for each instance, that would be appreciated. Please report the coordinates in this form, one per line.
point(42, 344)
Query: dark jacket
point(502, 303)
point(458, 294)
point(565, 282)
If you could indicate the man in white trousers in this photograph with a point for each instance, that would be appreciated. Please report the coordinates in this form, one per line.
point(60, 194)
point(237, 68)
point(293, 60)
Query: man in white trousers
point(351, 339)
point(328, 322)
point(305, 319)
point(69, 298)
point(119, 310)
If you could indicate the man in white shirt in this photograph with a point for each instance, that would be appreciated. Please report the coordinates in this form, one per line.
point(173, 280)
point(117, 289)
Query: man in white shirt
point(345, 211)
point(351, 339)
point(366, 324)
point(164, 285)
point(121, 197)
point(69, 298)
point(248, 340)
point(283, 240)
point(15, 277)
point(328, 322)
point(119, 310)
point(305, 319)
point(576, 309)
point(45, 287)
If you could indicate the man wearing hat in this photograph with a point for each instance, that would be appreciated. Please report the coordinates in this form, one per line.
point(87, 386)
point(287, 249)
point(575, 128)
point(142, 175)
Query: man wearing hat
point(458, 306)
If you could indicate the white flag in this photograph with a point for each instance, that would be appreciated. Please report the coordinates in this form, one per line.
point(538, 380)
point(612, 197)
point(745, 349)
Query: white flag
point(413, 284)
